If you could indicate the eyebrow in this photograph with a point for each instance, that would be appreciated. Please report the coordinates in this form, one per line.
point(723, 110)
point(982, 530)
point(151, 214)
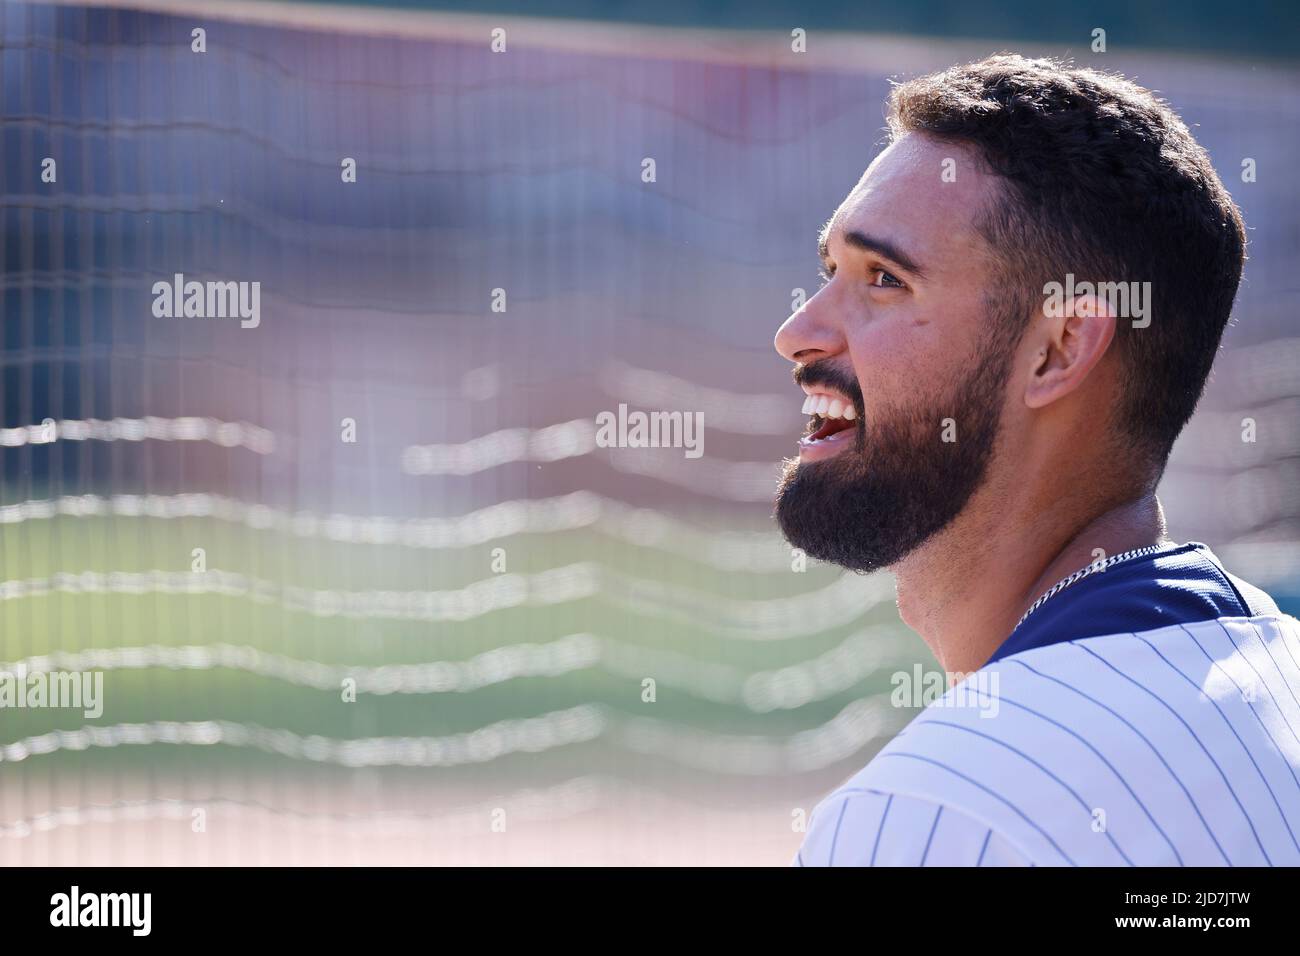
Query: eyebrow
point(882, 247)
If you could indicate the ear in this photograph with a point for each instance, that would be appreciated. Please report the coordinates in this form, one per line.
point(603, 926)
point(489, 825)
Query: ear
point(1066, 347)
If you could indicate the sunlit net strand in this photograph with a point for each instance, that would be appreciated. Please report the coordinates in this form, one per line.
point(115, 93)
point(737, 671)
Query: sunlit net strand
point(859, 656)
point(569, 512)
point(725, 550)
point(842, 602)
point(747, 481)
point(736, 412)
point(226, 434)
point(854, 727)
point(737, 480)
point(555, 586)
point(548, 731)
point(566, 799)
point(860, 723)
point(645, 527)
point(811, 612)
point(839, 669)
point(571, 439)
point(500, 664)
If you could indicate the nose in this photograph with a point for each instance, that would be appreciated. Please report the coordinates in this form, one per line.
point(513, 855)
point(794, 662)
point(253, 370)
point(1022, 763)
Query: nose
point(811, 332)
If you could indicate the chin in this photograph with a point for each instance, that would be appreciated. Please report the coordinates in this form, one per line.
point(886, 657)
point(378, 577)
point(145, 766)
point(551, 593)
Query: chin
point(832, 518)
point(864, 517)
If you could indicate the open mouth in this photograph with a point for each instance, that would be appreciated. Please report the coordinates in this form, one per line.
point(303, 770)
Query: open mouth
point(833, 425)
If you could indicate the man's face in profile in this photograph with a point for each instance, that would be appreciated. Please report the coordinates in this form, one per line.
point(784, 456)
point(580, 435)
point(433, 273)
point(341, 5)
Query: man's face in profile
point(909, 332)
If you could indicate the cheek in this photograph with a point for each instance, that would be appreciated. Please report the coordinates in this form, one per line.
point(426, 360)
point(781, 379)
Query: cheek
point(892, 365)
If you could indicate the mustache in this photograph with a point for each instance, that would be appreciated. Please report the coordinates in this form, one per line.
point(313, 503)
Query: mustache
point(834, 376)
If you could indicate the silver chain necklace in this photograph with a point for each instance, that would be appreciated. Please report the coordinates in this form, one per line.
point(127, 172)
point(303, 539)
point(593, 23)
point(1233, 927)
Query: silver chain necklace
point(1098, 565)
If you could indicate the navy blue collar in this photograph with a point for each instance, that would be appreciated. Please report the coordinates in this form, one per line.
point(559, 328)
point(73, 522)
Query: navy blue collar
point(1176, 584)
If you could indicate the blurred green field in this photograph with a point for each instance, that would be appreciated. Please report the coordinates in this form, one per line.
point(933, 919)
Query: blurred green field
point(633, 639)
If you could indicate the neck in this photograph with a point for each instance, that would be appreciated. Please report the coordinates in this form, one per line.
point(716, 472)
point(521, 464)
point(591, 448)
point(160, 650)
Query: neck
point(965, 590)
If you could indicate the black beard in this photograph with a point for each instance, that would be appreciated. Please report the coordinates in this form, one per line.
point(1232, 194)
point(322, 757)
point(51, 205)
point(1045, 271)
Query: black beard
point(872, 505)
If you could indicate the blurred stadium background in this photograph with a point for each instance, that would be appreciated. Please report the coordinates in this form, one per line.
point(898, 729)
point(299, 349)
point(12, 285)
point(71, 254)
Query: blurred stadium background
point(488, 697)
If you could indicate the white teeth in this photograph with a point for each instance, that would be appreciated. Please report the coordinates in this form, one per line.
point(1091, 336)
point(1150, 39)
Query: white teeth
point(829, 407)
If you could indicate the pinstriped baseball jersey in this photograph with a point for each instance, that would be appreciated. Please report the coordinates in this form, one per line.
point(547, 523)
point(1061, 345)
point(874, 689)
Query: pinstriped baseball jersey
point(1178, 745)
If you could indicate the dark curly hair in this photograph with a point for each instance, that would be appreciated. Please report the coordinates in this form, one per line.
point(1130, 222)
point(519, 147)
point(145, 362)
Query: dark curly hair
point(1102, 180)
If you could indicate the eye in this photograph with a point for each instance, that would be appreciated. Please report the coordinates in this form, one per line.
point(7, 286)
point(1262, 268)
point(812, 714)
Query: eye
point(826, 273)
point(887, 280)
